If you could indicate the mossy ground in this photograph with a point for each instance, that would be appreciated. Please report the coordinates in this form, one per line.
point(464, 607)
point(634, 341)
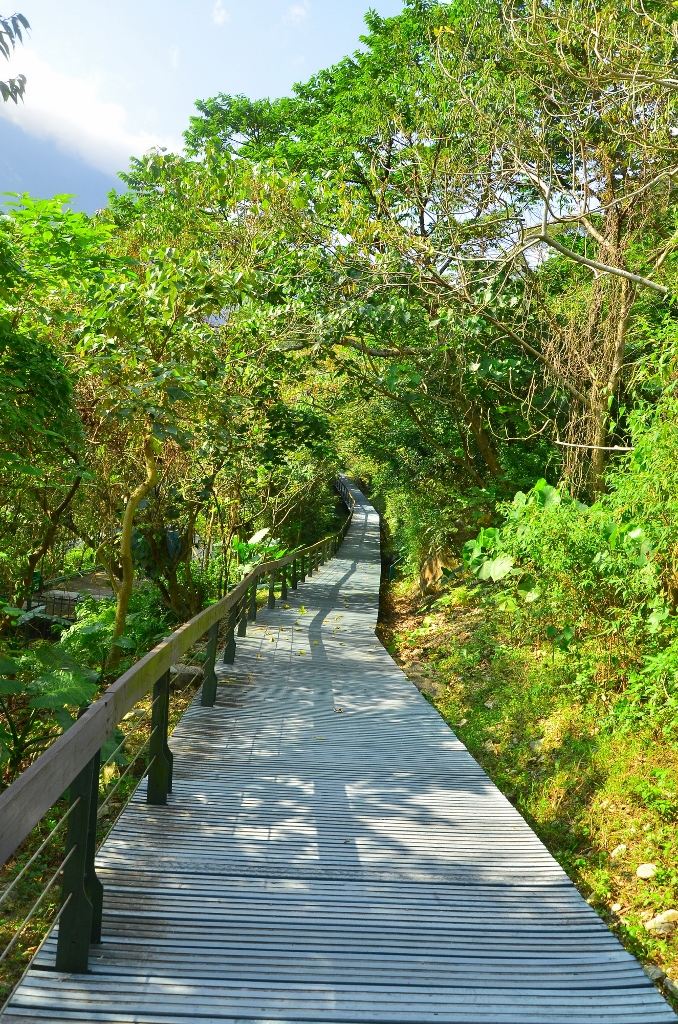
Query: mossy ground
point(584, 787)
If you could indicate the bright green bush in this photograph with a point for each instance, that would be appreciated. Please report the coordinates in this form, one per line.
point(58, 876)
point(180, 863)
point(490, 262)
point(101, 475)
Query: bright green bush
point(89, 639)
point(599, 582)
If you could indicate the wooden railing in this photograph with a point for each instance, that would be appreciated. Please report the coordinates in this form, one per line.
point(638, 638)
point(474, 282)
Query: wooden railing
point(73, 761)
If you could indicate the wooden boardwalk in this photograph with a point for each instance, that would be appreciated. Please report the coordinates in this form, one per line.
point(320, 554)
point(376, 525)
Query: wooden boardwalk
point(332, 853)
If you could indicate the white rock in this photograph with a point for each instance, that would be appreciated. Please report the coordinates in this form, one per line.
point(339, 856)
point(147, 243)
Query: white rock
point(662, 931)
point(646, 870)
point(662, 924)
point(536, 745)
point(616, 907)
point(490, 704)
point(618, 851)
point(184, 675)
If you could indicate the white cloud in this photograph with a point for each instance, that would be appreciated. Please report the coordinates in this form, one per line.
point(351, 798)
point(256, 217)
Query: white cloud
point(219, 13)
point(295, 14)
point(174, 57)
point(71, 112)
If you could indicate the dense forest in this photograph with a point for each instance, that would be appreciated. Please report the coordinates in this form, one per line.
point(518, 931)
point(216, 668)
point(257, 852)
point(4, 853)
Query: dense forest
point(447, 266)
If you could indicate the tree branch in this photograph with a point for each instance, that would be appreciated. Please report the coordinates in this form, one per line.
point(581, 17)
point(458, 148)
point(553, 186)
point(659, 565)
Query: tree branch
point(604, 268)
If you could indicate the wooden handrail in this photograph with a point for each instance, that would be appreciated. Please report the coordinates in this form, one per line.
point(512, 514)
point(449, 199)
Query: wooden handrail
point(28, 798)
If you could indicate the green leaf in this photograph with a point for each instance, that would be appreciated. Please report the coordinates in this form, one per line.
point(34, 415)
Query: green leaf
point(8, 667)
point(110, 745)
point(527, 588)
point(125, 642)
point(10, 687)
point(60, 688)
point(178, 394)
point(548, 496)
point(64, 718)
point(496, 569)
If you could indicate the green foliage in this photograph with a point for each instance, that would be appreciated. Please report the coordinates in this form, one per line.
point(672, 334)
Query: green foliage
point(88, 640)
point(10, 34)
point(578, 575)
point(40, 691)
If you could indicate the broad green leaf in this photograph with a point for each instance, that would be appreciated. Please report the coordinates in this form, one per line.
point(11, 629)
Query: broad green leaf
point(548, 496)
point(10, 687)
point(125, 642)
point(496, 569)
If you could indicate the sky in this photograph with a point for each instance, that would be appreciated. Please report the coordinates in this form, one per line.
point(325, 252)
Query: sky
point(108, 79)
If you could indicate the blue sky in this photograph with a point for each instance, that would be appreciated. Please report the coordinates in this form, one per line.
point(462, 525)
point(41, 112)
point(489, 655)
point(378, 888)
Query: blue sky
point(107, 79)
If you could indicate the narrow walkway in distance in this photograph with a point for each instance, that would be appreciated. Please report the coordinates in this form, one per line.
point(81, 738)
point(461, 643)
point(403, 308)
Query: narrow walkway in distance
point(331, 852)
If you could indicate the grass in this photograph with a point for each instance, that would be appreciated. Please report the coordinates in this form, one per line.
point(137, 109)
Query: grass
point(588, 789)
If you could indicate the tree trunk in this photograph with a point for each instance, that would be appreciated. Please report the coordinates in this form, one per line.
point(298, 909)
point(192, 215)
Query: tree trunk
point(602, 408)
point(483, 441)
point(125, 589)
point(474, 421)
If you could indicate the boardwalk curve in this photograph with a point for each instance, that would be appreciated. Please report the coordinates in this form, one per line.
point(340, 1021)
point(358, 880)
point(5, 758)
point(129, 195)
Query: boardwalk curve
point(331, 852)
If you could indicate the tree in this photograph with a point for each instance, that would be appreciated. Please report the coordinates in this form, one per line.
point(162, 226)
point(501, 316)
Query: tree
point(10, 33)
point(469, 146)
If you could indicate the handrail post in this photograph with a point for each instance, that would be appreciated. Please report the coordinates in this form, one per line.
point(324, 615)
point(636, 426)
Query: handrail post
point(303, 568)
point(93, 885)
point(271, 590)
point(283, 582)
point(252, 613)
point(169, 756)
point(310, 563)
point(294, 574)
point(75, 923)
point(229, 649)
point(242, 616)
point(209, 680)
point(159, 772)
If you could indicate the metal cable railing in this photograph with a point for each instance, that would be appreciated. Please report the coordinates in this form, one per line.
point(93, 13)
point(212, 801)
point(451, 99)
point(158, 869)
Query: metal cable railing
point(22, 927)
point(5, 894)
point(73, 762)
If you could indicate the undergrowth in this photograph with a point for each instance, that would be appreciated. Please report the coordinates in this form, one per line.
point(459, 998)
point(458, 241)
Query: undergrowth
point(602, 798)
